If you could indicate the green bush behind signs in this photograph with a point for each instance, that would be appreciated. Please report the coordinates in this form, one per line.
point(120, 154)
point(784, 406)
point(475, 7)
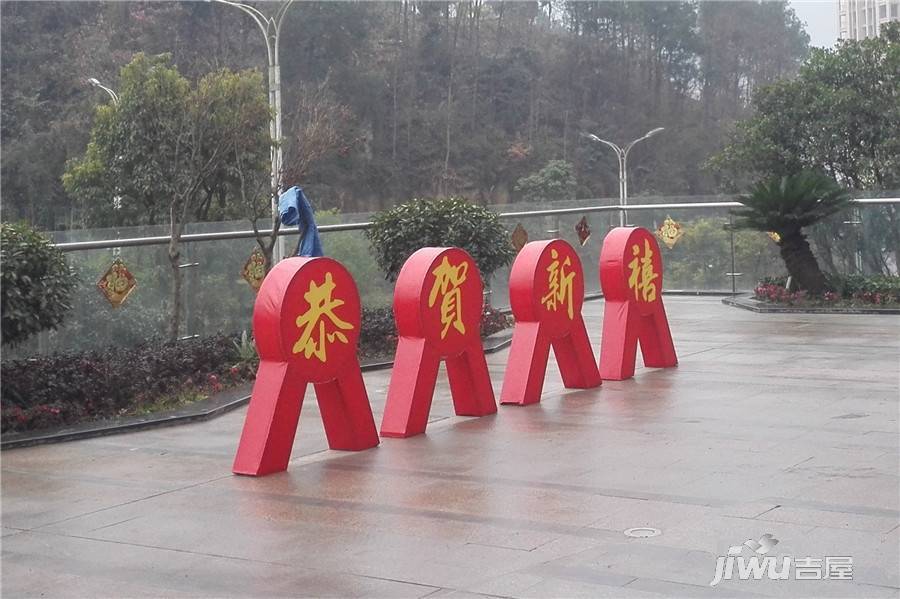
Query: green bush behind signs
point(448, 222)
point(36, 284)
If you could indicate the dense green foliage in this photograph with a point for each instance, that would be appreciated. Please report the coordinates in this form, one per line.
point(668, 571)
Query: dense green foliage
point(166, 150)
point(556, 181)
point(786, 205)
point(703, 256)
point(378, 333)
point(840, 115)
point(36, 284)
point(388, 101)
point(167, 146)
point(852, 290)
point(450, 222)
point(867, 287)
point(789, 203)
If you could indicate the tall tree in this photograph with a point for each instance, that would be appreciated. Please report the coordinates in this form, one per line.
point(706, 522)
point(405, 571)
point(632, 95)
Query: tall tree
point(165, 144)
point(841, 115)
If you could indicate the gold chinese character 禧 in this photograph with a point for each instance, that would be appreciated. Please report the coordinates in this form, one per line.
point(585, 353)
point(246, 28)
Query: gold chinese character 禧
point(447, 279)
point(560, 283)
point(642, 276)
point(312, 323)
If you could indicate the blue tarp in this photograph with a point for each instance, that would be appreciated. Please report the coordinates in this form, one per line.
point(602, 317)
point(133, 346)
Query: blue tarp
point(294, 209)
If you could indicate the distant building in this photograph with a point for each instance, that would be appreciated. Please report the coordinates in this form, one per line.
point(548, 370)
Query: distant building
point(859, 19)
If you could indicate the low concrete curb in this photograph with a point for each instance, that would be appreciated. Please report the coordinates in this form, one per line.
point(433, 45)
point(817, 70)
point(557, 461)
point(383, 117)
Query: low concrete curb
point(747, 302)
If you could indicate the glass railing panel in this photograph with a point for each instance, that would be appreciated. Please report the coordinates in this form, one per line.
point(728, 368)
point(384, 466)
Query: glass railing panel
point(217, 299)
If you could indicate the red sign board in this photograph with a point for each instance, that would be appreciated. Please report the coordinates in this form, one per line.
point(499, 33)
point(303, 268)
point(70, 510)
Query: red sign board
point(306, 324)
point(631, 277)
point(546, 292)
point(437, 306)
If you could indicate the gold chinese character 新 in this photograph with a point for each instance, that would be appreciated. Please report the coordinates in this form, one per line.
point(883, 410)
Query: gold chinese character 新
point(447, 279)
point(313, 322)
point(560, 284)
point(642, 275)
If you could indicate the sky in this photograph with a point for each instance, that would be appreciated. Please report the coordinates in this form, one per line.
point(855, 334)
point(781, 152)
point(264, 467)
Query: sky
point(820, 17)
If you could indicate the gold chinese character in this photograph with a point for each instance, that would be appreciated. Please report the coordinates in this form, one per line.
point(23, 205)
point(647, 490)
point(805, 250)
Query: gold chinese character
point(560, 283)
point(312, 322)
point(642, 275)
point(447, 279)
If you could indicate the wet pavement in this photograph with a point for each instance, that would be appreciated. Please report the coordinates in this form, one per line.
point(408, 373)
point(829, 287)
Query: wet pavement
point(772, 423)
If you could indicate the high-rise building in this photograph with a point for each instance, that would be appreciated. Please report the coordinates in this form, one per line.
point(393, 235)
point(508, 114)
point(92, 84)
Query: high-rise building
point(859, 19)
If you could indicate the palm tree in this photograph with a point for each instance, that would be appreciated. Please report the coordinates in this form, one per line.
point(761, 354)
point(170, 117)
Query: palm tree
point(786, 205)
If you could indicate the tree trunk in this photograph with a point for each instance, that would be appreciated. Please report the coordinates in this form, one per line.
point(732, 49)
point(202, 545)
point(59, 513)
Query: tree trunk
point(177, 308)
point(801, 263)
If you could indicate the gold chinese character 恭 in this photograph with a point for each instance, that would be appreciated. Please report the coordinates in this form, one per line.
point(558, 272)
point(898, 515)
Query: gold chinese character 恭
point(312, 323)
point(560, 283)
point(447, 279)
point(642, 276)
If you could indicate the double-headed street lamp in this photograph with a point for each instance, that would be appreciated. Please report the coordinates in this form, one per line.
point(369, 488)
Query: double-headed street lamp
point(115, 97)
point(271, 29)
point(622, 154)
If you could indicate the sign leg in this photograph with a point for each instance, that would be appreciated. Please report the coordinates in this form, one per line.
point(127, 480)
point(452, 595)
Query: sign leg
point(576, 358)
point(656, 341)
point(470, 382)
point(526, 366)
point(346, 412)
point(411, 389)
point(618, 347)
point(271, 421)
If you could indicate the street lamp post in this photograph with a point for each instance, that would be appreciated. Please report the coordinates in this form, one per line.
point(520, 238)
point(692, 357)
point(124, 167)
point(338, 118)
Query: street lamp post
point(112, 94)
point(117, 199)
point(271, 30)
point(622, 154)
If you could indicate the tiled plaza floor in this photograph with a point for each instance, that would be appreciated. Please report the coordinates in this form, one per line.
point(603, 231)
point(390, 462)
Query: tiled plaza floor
point(772, 423)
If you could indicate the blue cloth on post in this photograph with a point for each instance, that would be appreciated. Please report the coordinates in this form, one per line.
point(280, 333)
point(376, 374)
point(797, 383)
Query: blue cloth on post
point(294, 209)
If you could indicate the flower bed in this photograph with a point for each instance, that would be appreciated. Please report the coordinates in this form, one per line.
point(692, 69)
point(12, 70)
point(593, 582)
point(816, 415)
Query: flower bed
point(69, 388)
point(845, 291)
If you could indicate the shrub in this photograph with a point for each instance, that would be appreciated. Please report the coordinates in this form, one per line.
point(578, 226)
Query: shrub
point(378, 334)
point(556, 181)
point(36, 285)
point(867, 287)
point(493, 321)
point(452, 222)
point(855, 289)
point(786, 205)
point(65, 388)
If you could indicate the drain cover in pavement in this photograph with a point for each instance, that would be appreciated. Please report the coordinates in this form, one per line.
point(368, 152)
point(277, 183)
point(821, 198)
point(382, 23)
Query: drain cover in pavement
point(642, 532)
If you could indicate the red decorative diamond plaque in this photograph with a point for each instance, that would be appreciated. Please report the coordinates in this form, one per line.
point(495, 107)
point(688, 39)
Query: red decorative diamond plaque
point(669, 232)
point(583, 230)
point(519, 237)
point(116, 283)
point(254, 270)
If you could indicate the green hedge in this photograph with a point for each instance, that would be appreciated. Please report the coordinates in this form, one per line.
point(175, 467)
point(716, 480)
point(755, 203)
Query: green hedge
point(450, 222)
point(72, 387)
point(36, 286)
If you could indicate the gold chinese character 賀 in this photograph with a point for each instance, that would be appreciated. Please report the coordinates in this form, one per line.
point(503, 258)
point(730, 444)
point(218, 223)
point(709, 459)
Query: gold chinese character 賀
point(316, 332)
point(447, 281)
point(642, 276)
point(560, 284)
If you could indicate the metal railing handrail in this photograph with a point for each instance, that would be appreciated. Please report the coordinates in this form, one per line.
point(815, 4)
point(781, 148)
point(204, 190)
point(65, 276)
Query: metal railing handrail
point(101, 244)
